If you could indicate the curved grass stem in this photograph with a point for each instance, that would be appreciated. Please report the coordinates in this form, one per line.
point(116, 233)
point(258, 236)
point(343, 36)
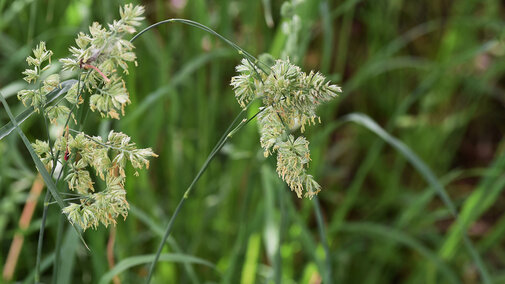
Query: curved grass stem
point(222, 141)
point(197, 25)
point(430, 178)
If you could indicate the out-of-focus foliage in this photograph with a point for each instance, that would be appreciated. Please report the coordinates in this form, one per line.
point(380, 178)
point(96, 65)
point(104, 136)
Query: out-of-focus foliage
point(429, 72)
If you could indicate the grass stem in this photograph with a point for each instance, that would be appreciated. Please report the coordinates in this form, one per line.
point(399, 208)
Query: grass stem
point(327, 275)
point(222, 141)
point(57, 250)
point(41, 236)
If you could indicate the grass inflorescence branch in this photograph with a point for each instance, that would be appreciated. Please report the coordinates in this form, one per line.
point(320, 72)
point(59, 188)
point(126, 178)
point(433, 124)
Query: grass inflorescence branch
point(99, 53)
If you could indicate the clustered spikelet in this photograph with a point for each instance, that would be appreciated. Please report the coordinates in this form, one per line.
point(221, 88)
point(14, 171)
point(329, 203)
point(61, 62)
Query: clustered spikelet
point(101, 52)
point(108, 160)
point(290, 98)
point(293, 157)
point(86, 157)
point(36, 96)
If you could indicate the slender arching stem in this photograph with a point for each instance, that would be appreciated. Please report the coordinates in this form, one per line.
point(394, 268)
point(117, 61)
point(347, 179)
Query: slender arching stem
point(240, 50)
point(224, 138)
point(222, 141)
point(228, 134)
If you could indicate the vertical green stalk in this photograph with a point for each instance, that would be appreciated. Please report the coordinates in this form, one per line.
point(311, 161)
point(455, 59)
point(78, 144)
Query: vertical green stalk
point(41, 236)
point(57, 250)
point(47, 199)
point(327, 275)
point(33, 19)
point(429, 177)
point(343, 41)
point(282, 229)
point(202, 27)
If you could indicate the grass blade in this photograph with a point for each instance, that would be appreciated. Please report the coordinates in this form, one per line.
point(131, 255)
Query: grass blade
point(426, 173)
point(68, 259)
point(395, 235)
point(481, 199)
point(58, 250)
point(142, 259)
point(250, 268)
point(48, 180)
point(38, 163)
point(158, 230)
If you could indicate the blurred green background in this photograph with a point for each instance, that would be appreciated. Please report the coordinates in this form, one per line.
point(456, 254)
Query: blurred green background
point(429, 72)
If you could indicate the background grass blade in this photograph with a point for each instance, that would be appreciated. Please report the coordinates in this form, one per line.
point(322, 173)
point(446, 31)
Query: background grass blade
point(392, 235)
point(426, 173)
point(48, 180)
point(486, 193)
point(127, 263)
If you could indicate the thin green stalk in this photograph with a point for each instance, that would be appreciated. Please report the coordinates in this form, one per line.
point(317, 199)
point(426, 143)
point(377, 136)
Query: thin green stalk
point(57, 250)
point(241, 51)
point(47, 199)
point(70, 199)
point(41, 237)
point(278, 255)
point(59, 236)
point(327, 275)
point(222, 141)
point(33, 19)
point(165, 236)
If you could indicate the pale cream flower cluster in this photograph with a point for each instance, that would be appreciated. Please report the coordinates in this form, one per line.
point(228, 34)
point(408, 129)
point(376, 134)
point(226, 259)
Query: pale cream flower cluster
point(99, 54)
point(108, 159)
point(102, 51)
point(290, 98)
point(35, 95)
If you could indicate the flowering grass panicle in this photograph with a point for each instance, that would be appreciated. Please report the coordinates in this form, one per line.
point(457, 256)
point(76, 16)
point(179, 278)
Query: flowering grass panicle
point(87, 153)
point(290, 98)
point(86, 157)
point(102, 51)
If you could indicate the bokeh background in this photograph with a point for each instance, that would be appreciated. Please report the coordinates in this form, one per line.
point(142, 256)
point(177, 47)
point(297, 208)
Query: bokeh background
point(429, 72)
